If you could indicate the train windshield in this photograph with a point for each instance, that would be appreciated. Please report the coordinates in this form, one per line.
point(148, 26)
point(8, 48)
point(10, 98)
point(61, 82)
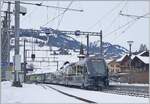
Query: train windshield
point(99, 66)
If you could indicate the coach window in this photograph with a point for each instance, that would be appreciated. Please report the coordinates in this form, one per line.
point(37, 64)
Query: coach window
point(84, 69)
point(79, 70)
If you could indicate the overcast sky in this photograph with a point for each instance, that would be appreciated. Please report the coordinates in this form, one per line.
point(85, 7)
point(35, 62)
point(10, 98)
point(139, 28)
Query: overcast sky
point(97, 15)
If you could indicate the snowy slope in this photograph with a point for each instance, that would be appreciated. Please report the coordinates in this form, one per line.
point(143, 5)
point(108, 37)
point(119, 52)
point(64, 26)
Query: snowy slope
point(67, 41)
point(43, 55)
point(110, 50)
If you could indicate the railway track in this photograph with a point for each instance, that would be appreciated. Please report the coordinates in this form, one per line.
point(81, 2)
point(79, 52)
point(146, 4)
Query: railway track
point(70, 95)
point(137, 91)
point(128, 90)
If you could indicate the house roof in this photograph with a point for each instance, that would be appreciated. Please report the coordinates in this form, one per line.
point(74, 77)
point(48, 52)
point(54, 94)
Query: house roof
point(143, 59)
point(40, 71)
point(120, 59)
point(142, 53)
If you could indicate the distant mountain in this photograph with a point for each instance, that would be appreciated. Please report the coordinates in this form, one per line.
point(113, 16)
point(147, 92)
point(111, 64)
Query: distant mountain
point(110, 50)
point(62, 40)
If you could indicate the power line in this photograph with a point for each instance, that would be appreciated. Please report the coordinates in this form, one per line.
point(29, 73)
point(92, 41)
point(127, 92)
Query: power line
point(126, 24)
point(132, 16)
point(126, 3)
point(114, 20)
point(39, 4)
point(64, 14)
point(107, 13)
point(29, 14)
point(58, 15)
point(129, 26)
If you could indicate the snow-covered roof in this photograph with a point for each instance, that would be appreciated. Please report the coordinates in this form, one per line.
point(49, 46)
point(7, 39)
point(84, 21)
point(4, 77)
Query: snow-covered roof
point(144, 59)
point(120, 59)
point(42, 71)
point(109, 60)
point(141, 53)
point(132, 57)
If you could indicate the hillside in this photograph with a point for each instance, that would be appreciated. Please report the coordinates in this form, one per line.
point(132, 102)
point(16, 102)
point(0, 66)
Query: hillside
point(64, 41)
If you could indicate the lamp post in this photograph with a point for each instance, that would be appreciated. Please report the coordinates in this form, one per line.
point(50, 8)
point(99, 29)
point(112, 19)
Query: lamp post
point(101, 45)
point(130, 54)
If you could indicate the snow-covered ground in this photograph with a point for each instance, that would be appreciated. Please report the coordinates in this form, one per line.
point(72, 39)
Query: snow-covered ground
point(127, 84)
point(31, 93)
point(101, 97)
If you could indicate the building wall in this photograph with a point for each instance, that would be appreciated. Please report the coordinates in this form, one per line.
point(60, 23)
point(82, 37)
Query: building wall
point(114, 67)
point(139, 66)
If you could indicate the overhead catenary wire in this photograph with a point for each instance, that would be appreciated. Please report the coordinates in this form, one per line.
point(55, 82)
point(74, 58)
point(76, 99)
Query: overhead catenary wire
point(103, 17)
point(116, 17)
point(42, 5)
point(128, 27)
point(131, 16)
point(29, 14)
point(107, 34)
point(122, 32)
point(63, 15)
point(58, 15)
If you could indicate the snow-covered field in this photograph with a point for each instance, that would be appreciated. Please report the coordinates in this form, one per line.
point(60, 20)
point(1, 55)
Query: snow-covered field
point(31, 93)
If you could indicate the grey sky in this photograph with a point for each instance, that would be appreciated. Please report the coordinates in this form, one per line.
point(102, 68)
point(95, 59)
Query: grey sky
point(94, 11)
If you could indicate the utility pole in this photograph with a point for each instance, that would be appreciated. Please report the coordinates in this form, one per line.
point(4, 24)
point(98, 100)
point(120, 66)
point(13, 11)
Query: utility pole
point(4, 46)
point(101, 45)
point(17, 57)
point(8, 38)
point(87, 45)
point(0, 42)
point(24, 60)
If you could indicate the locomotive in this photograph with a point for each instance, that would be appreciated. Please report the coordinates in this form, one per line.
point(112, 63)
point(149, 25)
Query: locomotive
point(88, 73)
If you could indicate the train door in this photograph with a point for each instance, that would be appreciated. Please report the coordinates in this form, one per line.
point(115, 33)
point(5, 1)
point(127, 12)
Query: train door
point(79, 75)
point(71, 75)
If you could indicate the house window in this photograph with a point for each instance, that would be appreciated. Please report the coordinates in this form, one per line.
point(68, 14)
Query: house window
point(117, 65)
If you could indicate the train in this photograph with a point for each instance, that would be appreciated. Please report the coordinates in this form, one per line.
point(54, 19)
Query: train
point(88, 73)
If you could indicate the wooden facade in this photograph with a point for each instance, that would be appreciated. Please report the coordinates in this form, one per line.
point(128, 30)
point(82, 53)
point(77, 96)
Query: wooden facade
point(114, 67)
point(140, 66)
